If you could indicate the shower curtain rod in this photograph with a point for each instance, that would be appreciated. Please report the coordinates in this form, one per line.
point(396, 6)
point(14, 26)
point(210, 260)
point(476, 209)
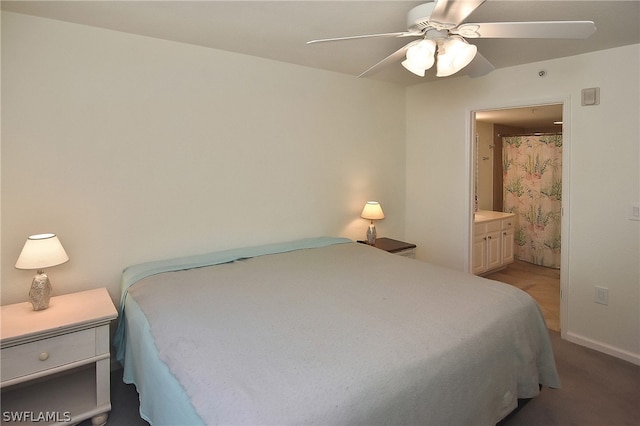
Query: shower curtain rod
point(530, 134)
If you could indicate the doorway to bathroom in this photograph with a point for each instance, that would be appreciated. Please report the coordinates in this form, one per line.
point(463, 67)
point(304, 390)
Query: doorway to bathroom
point(518, 170)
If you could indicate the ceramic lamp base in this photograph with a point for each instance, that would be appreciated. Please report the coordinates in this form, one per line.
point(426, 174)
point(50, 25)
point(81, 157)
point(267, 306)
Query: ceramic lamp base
point(371, 234)
point(40, 292)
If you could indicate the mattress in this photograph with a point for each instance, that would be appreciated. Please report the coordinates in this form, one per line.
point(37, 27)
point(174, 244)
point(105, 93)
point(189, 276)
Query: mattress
point(327, 332)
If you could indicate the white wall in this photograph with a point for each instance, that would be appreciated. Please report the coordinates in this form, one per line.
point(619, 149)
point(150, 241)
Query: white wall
point(484, 158)
point(133, 149)
point(604, 140)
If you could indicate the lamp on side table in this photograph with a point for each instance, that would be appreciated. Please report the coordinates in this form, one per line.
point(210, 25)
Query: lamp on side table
point(39, 252)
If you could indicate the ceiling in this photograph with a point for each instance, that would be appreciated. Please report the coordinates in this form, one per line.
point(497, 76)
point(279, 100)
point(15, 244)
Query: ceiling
point(279, 29)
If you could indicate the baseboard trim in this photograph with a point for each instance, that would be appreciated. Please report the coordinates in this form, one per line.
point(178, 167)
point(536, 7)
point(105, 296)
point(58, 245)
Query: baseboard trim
point(603, 347)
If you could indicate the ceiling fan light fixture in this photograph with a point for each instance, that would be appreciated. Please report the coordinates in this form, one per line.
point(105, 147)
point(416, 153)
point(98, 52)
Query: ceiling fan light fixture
point(453, 55)
point(420, 57)
point(411, 67)
point(441, 24)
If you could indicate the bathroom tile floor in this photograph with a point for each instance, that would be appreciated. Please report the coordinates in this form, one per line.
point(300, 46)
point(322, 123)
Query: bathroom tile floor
point(543, 284)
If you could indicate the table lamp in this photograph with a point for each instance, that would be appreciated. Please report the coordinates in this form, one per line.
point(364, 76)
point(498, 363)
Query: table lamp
point(372, 211)
point(39, 252)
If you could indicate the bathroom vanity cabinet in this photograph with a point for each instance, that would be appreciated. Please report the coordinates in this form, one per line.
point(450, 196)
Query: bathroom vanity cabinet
point(492, 241)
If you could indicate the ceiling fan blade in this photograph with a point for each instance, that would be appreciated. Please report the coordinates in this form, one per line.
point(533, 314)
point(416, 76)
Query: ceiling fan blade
point(540, 29)
point(448, 14)
point(398, 34)
point(479, 66)
point(395, 56)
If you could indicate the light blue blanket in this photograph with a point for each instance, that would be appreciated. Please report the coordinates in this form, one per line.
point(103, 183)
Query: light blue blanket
point(135, 273)
point(340, 334)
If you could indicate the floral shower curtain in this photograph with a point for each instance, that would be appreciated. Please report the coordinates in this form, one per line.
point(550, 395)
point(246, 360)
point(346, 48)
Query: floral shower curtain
point(532, 168)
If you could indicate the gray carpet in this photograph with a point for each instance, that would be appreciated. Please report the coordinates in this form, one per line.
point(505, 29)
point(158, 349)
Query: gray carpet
point(597, 390)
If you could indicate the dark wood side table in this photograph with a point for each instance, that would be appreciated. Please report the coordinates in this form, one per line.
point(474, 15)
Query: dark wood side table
point(395, 246)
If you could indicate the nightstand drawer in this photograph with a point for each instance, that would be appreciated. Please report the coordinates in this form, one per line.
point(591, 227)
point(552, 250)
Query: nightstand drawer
point(48, 353)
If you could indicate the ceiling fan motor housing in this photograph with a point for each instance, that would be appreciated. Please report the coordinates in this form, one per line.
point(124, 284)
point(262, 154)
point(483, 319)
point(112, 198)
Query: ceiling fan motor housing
point(418, 17)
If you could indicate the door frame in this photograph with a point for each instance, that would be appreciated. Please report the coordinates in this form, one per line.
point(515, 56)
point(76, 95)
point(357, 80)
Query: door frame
point(470, 151)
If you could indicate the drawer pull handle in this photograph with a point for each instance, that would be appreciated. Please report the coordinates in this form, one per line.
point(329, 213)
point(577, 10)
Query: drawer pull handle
point(43, 356)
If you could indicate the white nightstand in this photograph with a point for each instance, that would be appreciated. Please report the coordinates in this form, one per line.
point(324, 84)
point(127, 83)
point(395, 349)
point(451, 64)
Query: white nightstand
point(56, 362)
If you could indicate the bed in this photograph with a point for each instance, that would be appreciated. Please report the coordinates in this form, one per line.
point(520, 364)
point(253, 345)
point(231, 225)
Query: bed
point(326, 331)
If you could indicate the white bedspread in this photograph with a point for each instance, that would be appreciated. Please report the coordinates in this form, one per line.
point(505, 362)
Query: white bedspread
point(346, 334)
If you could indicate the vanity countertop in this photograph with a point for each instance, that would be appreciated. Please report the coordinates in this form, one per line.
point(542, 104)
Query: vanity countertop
point(482, 216)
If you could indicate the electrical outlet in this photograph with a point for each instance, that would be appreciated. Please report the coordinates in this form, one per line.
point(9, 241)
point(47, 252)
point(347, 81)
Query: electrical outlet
point(602, 295)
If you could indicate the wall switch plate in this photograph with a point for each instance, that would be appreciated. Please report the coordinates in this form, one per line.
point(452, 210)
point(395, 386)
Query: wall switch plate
point(602, 295)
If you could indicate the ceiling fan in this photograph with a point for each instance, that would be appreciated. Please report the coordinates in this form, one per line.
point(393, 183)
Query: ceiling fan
point(439, 25)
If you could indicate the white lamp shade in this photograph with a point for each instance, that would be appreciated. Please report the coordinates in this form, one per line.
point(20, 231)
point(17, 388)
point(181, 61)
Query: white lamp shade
point(372, 211)
point(453, 55)
point(420, 57)
point(414, 69)
point(41, 251)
